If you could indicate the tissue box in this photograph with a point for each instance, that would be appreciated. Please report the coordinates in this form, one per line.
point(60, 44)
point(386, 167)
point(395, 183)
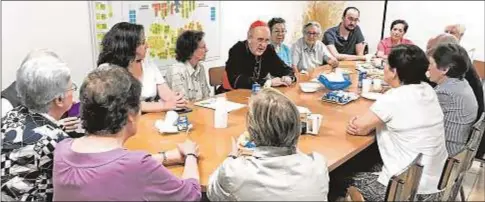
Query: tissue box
point(334, 85)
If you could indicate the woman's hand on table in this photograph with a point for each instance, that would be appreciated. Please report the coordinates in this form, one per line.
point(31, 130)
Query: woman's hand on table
point(352, 129)
point(188, 147)
point(333, 63)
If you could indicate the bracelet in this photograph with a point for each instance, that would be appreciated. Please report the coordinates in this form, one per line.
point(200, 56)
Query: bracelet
point(192, 154)
point(164, 155)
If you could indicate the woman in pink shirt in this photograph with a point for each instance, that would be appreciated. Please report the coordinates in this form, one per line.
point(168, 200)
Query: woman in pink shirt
point(398, 29)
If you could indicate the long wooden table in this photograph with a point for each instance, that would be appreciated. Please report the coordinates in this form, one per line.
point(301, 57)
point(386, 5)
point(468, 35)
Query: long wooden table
point(215, 144)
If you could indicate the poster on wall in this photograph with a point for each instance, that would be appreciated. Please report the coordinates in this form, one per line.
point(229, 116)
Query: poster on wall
point(163, 22)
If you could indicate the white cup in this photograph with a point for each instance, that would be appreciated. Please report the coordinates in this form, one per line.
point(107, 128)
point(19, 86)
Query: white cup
point(366, 84)
point(377, 85)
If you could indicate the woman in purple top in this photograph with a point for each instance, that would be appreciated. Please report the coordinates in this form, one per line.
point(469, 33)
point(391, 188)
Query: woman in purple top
point(96, 167)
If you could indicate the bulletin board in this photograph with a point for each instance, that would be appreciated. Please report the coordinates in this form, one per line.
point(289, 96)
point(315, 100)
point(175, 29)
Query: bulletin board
point(163, 22)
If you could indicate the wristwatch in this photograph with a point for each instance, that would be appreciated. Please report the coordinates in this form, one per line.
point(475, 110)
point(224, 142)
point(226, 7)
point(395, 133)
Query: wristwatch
point(192, 154)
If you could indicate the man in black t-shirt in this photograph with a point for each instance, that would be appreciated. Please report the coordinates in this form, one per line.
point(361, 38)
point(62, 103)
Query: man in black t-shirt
point(345, 41)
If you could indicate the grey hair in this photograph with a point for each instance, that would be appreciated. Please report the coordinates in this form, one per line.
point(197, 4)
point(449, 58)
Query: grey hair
point(273, 120)
point(41, 78)
point(311, 23)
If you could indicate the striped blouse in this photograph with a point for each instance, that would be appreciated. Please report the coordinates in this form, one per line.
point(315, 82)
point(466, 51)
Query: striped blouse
point(460, 110)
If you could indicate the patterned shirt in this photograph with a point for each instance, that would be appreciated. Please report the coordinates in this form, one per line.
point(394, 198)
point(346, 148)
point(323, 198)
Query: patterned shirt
point(28, 143)
point(460, 109)
point(192, 82)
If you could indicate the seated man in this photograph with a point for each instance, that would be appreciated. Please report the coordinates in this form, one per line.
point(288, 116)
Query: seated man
point(309, 52)
point(345, 41)
point(255, 61)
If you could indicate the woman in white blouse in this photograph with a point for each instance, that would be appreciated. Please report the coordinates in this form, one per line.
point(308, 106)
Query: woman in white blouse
point(409, 121)
point(124, 45)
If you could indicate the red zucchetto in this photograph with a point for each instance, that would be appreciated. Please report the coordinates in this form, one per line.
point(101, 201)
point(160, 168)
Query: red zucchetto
point(258, 23)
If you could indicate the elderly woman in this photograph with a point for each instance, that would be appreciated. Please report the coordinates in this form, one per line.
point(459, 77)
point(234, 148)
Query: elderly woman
point(124, 45)
point(277, 28)
point(30, 131)
point(457, 30)
point(405, 131)
point(264, 175)
point(471, 76)
point(309, 52)
point(96, 167)
point(398, 30)
point(188, 74)
point(448, 64)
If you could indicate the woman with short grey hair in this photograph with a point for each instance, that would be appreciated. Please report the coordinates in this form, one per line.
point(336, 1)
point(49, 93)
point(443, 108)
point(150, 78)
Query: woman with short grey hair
point(263, 175)
point(31, 131)
point(309, 52)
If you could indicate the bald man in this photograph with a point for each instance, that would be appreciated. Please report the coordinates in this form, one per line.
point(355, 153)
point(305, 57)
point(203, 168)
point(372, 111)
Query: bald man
point(255, 61)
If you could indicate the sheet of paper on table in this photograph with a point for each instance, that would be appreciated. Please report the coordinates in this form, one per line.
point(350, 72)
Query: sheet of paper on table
point(211, 104)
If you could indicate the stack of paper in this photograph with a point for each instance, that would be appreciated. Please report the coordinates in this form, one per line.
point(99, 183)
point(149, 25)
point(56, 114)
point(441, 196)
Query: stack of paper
point(211, 104)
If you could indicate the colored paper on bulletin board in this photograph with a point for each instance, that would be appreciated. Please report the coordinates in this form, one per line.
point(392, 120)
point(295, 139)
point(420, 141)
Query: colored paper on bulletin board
point(100, 6)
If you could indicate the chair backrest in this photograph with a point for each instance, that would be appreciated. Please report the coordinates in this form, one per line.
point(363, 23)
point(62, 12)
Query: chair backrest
point(404, 185)
point(475, 139)
point(215, 75)
point(480, 67)
point(451, 174)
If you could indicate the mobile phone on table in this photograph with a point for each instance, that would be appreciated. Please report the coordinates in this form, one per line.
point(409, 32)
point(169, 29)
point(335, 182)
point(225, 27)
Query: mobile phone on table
point(183, 110)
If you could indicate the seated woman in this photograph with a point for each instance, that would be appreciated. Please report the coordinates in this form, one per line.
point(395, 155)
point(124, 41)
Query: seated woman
point(398, 30)
point(31, 130)
point(276, 170)
point(405, 131)
point(277, 28)
point(448, 65)
point(124, 45)
point(97, 167)
point(309, 52)
point(188, 74)
point(471, 76)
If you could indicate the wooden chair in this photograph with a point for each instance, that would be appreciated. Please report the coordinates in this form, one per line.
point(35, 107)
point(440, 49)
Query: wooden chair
point(401, 187)
point(215, 76)
point(472, 147)
point(451, 174)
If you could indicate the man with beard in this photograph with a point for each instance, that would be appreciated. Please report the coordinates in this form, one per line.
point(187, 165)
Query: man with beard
point(345, 41)
point(255, 61)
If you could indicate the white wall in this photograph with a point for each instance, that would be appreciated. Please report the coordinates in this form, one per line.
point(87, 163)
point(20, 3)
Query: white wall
point(62, 26)
point(427, 19)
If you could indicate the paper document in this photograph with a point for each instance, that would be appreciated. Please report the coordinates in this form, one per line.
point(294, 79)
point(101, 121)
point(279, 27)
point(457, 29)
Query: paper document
point(211, 104)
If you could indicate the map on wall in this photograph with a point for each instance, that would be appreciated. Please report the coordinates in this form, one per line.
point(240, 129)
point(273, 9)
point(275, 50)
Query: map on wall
point(163, 22)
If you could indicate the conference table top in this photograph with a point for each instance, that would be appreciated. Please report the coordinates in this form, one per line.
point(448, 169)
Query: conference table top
point(215, 144)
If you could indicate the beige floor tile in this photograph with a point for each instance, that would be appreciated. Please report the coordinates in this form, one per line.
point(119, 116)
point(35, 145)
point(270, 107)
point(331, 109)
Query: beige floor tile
point(478, 191)
point(468, 183)
point(475, 167)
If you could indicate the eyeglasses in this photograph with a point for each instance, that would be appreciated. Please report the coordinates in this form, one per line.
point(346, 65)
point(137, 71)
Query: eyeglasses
point(280, 31)
point(73, 88)
point(313, 33)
